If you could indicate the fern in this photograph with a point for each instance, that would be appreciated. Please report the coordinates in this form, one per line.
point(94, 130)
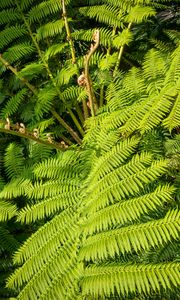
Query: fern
point(13, 104)
point(97, 214)
point(9, 15)
point(14, 161)
point(109, 279)
point(10, 34)
point(7, 211)
point(50, 29)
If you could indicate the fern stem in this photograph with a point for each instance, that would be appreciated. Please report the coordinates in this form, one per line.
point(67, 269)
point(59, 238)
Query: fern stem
point(80, 114)
point(13, 70)
point(89, 86)
point(85, 109)
point(69, 38)
point(101, 95)
point(66, 140)
point(121, 50)
point(29, 136)
point(65, 125)
point(73, 55)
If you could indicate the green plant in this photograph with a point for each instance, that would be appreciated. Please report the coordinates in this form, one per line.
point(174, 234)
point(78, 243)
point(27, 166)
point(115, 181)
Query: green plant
point(109, 204)
point(101, 220)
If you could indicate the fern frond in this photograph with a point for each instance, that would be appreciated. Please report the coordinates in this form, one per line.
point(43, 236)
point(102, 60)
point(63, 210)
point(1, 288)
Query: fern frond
point(54, 49)
point(86, 35)
point(48, 207)
point(160, 106)
point(13, 103)
point(8, 3)
point(114, 278)
point(173, 120)
point(18, 52)
point(17, 187)
point(173, 35)
point(7, 210)
point(26, 4)
point(8, 242)
point(9, 15)
point(119, 117)
point(113, 158)
point(14, 160)
point(172, 146)
point(104, 13)
point(138, 14)
point(43, 10)
point(108, 62)
point(50, 29)
point(44, 124)
point(124, 181)
point(66, 73)
point(136, 237)
point(129, 210)
point(124, 38)
point(45, 99)
point(154, 65)
point(31, 70)
point(172, 75)
point(72, 92)
point(10, 34)
point(54, 168)
point(63, 223)
point(38, 152)
point(52, 188)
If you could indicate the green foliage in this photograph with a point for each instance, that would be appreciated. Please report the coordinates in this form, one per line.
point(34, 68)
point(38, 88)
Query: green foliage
point(102, 204)
point(100, 220)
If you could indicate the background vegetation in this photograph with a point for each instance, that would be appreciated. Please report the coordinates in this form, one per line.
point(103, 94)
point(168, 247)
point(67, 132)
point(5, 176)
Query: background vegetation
point(89, 156)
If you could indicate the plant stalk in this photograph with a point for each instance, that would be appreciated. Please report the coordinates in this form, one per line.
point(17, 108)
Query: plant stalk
point(92, 99)
point(121, 50)
point(69, 38)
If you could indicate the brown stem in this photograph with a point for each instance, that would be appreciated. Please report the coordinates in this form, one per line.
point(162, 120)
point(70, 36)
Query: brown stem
point(65, 125)
point(89, 86)
point(79, 112)
point(31, 137)
point(101, 95)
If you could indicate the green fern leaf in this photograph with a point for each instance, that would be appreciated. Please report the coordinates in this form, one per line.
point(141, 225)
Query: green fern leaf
point(43, 10)
point(10, 34)
point(7, 211)
point(128, 210)
point(13, 103)
point(54, 50)
point(50, 29)
point(14, 161)
point(136, 237)
point(124, 279)
point(138, 14)
point(9, 15)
